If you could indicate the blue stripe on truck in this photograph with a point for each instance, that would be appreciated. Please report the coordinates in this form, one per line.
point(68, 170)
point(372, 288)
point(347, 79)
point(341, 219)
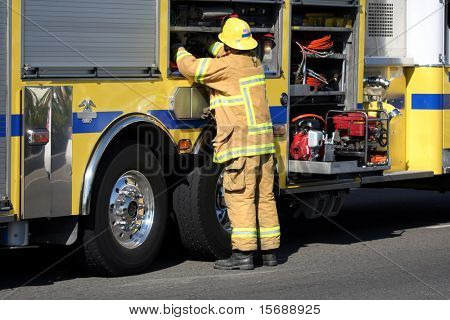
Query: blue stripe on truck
point(278, 114)
point(97, 124)
point(430, 101)
point(16, 125)
point(168, 118)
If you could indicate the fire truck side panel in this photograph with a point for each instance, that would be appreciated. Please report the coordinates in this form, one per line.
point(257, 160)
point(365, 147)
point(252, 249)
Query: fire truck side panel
point(361, 51)
point(275, 88)
point(16, 118)
point(425, 103)
point(117, 98)
point(424, 116)
point(397, 138)
point(446, 124)
point(4, 114)
point(113, 99)
point(446, 100)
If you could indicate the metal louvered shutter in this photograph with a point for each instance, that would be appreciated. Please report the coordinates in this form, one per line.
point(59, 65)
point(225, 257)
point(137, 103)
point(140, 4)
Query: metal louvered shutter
point(3, 96)
point(89, 38)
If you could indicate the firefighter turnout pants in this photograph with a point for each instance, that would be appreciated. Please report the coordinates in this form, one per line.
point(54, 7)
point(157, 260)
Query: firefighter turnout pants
point(248, 184)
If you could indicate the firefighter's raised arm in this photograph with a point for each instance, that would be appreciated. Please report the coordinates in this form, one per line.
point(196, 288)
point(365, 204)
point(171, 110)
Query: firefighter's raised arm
point(207, 71)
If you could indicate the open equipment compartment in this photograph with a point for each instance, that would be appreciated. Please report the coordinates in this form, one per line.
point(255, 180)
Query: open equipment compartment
point(323, 50)
point(328, 135)
point(194, 19)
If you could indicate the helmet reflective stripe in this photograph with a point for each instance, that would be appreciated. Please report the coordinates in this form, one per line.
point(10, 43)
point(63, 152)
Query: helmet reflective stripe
point(246, 34)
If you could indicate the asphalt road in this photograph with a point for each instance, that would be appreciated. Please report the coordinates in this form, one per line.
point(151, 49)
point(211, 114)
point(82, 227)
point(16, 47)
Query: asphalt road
point(386, 244)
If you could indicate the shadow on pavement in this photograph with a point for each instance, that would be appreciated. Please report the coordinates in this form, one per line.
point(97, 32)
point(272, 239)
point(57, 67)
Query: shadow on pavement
point(34, 267)
point(368, 214)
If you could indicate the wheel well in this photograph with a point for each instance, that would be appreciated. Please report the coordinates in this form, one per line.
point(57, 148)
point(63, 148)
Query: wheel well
point(128, 130)
point(155, 139)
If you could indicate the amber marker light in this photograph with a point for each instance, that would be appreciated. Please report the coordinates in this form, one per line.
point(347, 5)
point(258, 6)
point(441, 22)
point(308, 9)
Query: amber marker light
point(185, 145)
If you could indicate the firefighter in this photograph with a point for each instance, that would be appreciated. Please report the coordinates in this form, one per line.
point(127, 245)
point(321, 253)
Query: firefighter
point(244, 141)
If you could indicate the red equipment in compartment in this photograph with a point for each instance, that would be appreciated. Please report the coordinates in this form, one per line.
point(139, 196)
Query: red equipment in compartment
point(353, 123)
point(300, 148)
point(358, 132)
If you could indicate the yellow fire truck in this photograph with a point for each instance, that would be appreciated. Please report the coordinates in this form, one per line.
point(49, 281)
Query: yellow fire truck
point(102, 141)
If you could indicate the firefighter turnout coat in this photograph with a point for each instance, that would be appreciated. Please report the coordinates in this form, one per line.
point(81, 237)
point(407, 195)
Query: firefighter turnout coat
point(238, 97)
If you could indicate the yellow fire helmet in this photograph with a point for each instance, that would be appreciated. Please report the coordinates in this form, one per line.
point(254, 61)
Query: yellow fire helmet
point(236, 34)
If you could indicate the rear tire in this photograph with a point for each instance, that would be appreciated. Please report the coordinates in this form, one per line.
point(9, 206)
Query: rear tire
point(195, 203)
point(129, 192)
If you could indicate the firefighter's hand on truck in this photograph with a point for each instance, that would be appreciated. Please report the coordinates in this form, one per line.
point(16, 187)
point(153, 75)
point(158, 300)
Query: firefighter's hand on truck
point(206, 113)
point(174, 49)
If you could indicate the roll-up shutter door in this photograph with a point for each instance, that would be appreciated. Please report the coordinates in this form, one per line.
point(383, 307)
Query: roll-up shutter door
point(89, 38)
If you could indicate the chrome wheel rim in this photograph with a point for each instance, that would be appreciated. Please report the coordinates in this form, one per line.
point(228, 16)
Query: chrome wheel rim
point(221, 208)
point(131, 209)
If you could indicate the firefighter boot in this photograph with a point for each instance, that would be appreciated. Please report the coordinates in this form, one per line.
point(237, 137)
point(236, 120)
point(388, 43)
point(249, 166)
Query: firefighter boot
point(269, 258)
point(239, 260)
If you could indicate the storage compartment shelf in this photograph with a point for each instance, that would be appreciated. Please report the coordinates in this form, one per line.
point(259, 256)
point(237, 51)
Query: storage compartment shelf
point(175, 75)
point(299, 90)
point(338, 56)
point(327, 3)
point(194, 23)
point(330, 168)
point(321, 29)
point(323, 37)
point(238, 1)
point(215, 29)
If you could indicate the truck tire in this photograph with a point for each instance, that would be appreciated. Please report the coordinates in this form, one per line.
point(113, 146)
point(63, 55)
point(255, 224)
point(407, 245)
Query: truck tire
point(201, 214)
point(128, 221)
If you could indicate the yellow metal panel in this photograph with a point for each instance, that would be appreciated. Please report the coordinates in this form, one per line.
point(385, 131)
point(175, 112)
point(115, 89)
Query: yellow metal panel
point(82, 147)
point(179, 134)
point(446, 120)
point(360, 66)
point(15, 105)
point(424, 130)
point(126, 96)
point(397, 134)
point(15, 174)
point(275, 87)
